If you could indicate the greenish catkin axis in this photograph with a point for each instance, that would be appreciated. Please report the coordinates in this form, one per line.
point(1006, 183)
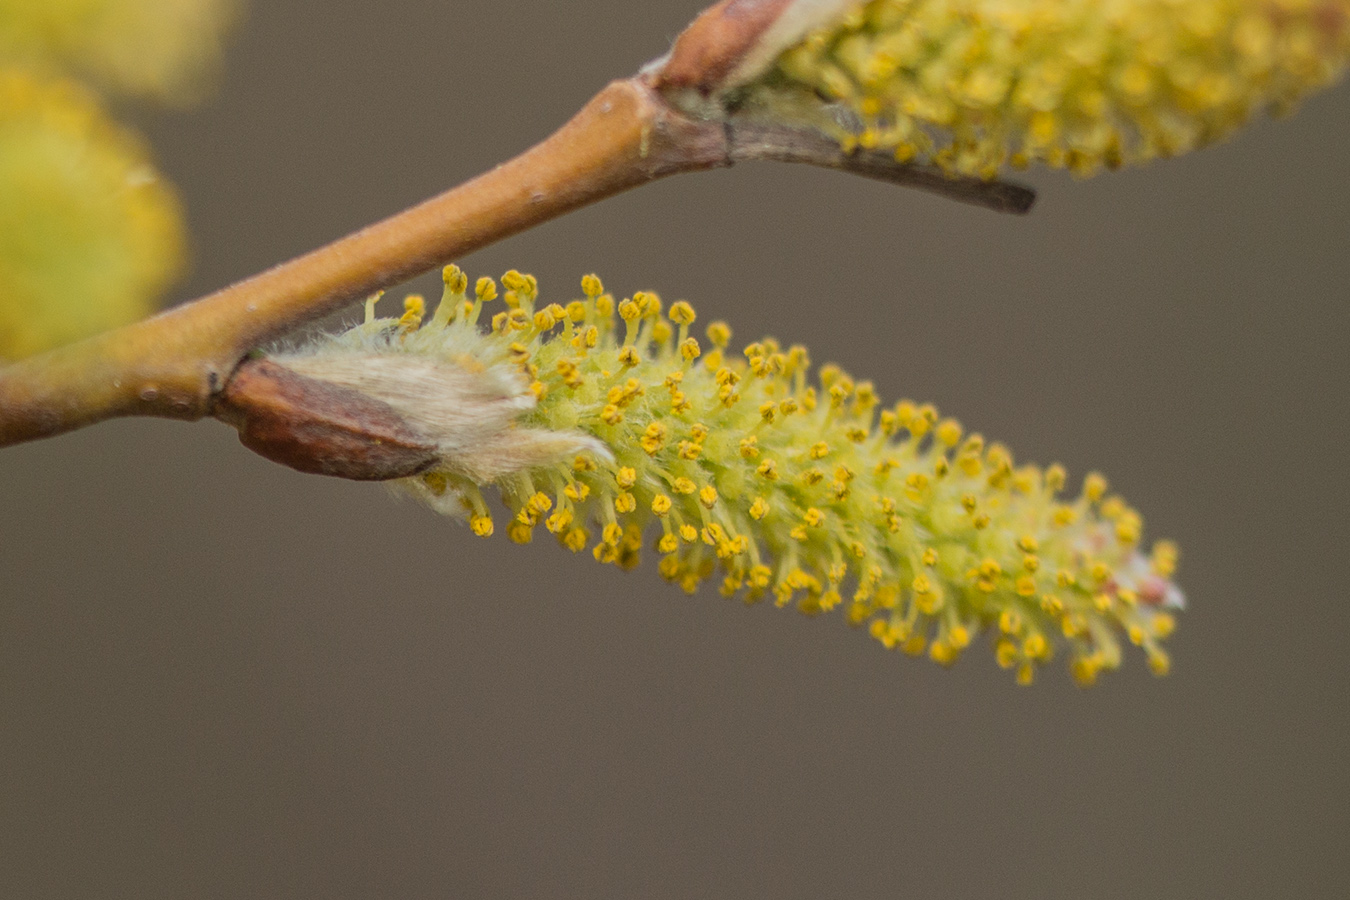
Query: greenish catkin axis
point(631, 432)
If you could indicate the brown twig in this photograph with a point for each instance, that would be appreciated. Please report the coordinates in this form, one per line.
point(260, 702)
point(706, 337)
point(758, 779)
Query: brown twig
point(782, 143)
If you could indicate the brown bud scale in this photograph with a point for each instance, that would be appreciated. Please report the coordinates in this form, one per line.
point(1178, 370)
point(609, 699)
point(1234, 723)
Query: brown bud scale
point(320, 428)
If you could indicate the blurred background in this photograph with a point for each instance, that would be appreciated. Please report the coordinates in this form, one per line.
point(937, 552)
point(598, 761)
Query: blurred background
point(221, 678)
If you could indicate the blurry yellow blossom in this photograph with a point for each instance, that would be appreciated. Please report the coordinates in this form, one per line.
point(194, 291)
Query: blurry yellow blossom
point(89, 234)
point(159, 48)
point(974, 85)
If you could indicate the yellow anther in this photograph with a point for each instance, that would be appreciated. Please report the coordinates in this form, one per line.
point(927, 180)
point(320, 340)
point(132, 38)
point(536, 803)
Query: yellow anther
point(1055, 476)
point(591, 286)
point(625, 503)
point(683, 485)
point(689, 349)
point(1006, 654)
point(604, 306)
point(1009, 622)
point(611, 414)
point(654, 438)
point(519, 532)
point(759, 509)
point(980, 520)
point(719, 334)
point(1065, 579)
point(485, 290)
point(576, 311)
point(1163, 625)
point(943, 653)
point(1158, 662)
point(930, 557)
point(544, 320)
point(1031, 562)
point(1035, 646)
point(1028, 543)
point(681, 313)
point(749, 447)
point(922, 584)
point(1094, 487)
point(559, 521)
point(768, 469)
point(576, 540)
point(708, 496)
point(414, 309)
point(454, 279)
point(990, 568)
point(1026, 586)
point(819, 450)
point(626, 477)
point(481, 525)
point(688, 533)
point(813, 517)
point(1164, 558)
point(690, 450)
point(629, 311)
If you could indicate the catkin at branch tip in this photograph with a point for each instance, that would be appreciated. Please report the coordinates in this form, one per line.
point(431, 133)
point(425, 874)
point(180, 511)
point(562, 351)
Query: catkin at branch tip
point(614, 426)
point(977, 85)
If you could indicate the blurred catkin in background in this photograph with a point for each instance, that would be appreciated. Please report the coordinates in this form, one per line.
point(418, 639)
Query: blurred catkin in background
point(90, 233)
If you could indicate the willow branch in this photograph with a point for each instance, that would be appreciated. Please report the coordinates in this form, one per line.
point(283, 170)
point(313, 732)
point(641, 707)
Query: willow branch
point(177, 364)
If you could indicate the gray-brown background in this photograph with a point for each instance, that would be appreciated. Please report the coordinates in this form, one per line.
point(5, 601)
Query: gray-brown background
point(219, 678)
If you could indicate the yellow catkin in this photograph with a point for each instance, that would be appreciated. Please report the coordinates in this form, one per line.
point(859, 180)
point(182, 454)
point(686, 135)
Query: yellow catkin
point(976, 85)
point(836, 503)
point(166, 49)
point(89, 233)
